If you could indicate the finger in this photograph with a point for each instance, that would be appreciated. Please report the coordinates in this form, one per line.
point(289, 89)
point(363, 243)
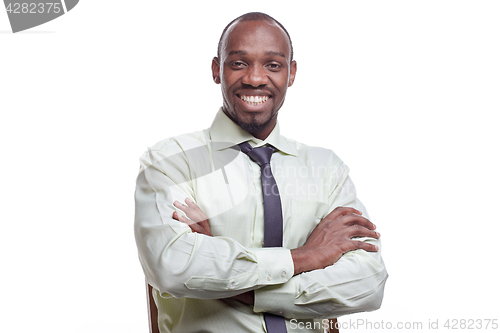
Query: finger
point(197, 228)
point(192, 205)
point(355, 219)
point(196, 211)
point(194, 226)
point(206, 227)
point(185, 208)
point(364, 246)
point(339, 211)
point(360, 231)
point(190, 213)
point(181, 206)
point(181, 218)
point(193, 211)
point(195, 215)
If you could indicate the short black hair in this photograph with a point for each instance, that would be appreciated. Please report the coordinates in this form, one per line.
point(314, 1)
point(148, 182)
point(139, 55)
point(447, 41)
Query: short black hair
point(254, 16)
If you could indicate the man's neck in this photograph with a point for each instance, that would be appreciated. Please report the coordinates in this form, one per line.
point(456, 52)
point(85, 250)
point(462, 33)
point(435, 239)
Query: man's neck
point(265, 133)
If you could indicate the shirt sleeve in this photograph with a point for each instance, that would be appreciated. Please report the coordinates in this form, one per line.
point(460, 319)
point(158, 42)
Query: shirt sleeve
point(355, 283)
point(180, 263)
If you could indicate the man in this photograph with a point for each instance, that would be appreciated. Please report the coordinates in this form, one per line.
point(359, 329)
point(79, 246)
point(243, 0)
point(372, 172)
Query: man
point(202, 209)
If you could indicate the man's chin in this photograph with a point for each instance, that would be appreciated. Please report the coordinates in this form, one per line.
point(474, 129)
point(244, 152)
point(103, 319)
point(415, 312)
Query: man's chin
point(251, 125)
point(254, 126)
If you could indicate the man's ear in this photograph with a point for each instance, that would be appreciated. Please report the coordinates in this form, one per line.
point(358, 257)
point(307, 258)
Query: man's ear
point(293, 71)
point(216, 70)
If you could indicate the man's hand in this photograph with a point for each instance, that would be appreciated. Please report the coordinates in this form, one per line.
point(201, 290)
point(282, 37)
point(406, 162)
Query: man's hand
point(198, 222)
point(196, 219)
point(332, 237)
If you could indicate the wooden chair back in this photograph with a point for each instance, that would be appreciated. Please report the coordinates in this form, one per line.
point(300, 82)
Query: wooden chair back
point(332, 327)
point(152, 311)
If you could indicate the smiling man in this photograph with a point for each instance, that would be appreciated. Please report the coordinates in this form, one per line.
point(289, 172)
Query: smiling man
point(240, 229)
point(255, 67)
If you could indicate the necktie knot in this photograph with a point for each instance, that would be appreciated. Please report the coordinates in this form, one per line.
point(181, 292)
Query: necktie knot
point(261, 155)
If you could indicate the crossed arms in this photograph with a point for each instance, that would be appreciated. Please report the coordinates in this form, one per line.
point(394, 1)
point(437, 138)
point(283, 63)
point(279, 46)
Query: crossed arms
point(324, 247)
point(330, 275)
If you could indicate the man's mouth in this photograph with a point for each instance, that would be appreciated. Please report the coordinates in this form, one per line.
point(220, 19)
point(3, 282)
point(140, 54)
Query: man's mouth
point(254, 100)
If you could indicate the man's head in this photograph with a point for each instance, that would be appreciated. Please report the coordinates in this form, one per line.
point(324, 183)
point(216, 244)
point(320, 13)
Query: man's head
point(255, 67)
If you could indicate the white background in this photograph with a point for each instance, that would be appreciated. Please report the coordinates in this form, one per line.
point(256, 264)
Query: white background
point(405, 92)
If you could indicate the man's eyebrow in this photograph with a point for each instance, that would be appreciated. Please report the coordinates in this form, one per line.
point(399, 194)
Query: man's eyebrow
point(241, 52)
point(237, 52)
point(275, 53)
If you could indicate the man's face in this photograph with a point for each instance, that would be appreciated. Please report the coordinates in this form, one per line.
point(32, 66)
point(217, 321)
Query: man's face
point(254, 70)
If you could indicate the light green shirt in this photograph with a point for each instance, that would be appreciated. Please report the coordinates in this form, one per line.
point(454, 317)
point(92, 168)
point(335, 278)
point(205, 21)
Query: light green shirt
point(193, 273)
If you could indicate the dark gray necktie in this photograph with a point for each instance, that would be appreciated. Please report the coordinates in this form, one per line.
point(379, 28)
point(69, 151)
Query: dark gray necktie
point(273, 218)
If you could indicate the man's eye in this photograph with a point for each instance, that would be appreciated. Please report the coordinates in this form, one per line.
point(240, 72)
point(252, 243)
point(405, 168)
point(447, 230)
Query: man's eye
point(274, 66)
point(237, 64)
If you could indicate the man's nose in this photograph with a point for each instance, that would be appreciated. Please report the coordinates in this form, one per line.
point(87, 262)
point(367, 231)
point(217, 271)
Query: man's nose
point(255, 76)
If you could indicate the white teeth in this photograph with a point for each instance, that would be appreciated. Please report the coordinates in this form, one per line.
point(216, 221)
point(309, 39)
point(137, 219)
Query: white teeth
point(254, 100)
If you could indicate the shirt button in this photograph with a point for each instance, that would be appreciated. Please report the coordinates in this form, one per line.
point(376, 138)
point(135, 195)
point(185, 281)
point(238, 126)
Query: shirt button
point(268, 276)
point(283, 274)
point(231, 285)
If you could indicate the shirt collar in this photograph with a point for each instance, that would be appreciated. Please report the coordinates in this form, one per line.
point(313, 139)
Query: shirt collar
point(225, 133)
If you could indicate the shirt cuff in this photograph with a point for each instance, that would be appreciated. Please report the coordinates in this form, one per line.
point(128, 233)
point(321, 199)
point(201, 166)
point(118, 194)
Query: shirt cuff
point(275, 265)
point(275, 274)
point(278, 299)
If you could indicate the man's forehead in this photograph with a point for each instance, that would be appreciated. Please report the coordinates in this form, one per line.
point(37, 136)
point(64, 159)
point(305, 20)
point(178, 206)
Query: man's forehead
point(262, 32)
